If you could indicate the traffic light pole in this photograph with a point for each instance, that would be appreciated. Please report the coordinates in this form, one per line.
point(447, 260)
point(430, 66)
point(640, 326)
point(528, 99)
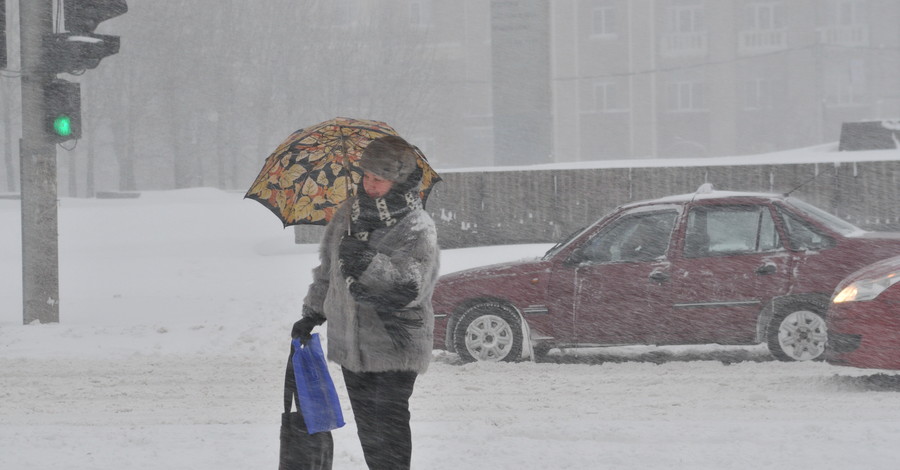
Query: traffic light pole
point(40, 248)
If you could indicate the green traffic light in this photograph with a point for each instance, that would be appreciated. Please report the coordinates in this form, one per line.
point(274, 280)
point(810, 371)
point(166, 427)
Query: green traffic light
point(62, 125)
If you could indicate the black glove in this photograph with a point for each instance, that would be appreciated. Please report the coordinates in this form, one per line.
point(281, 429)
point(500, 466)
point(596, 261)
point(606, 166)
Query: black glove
point(354, 256)
point(303, 327)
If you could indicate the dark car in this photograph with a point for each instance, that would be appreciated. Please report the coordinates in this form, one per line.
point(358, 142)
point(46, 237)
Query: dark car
point(708, 267)
point(864, 318)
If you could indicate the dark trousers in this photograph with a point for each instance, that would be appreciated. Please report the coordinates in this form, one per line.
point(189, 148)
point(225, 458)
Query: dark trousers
point(380, 402)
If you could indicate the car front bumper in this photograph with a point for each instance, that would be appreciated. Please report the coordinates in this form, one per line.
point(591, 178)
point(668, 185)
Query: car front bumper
point(841, 345)
point(863, 334)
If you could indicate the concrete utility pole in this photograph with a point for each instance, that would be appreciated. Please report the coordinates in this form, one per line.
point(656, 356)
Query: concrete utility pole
point(40, 248)
point(520, 41)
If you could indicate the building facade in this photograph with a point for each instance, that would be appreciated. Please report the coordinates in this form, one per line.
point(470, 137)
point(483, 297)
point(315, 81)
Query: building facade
point(475, 82)
point(686, 78)
point(679, 78)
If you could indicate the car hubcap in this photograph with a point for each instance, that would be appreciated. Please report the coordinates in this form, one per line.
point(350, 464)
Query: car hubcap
point(489, 338)
point(802, 335)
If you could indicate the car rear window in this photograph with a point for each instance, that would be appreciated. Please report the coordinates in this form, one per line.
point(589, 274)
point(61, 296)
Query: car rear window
point(801, 234)
point(831, 221)
point(721, 230)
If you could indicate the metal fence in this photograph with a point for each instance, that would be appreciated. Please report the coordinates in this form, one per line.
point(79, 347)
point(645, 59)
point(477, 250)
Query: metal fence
point(538, 206)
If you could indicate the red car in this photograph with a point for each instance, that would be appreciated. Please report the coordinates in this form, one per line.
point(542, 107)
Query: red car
point(708, 267)
point(864, 318)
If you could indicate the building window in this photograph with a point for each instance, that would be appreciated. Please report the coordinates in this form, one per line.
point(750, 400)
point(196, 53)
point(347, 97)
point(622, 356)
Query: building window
point(764, 16)
point(685, 17)
point(845, 12)
point(685, 32)
point(603, 22)
point(686, 96)
point(420, 13)
point(763, 28)
point(845, 84)
point(758, 94)
point(844, 23)
point(610, 97)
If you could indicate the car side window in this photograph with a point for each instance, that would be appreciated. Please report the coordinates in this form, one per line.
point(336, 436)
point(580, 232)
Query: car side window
point(633, 238)
point(722, 230)
point(801, 235)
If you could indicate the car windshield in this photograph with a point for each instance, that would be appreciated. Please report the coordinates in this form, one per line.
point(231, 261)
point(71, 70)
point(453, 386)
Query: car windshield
point(555, 249)
point(829, 220)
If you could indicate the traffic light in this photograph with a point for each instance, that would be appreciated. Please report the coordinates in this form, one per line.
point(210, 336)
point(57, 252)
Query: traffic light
point(62, 111)
point(83, 16)
point(2, 34)
point(79, 48)
point(70, 52)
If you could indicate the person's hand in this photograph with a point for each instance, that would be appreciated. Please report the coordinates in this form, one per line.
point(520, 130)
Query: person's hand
point(361, 293)
point(303, 329)
point(397, 297)
point(354, 256)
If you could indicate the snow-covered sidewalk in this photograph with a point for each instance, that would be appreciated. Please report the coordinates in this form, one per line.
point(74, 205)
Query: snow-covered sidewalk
point(198, 412)
point(175, 316)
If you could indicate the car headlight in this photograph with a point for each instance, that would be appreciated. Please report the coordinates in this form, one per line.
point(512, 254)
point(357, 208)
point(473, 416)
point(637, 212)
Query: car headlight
point(866, 289)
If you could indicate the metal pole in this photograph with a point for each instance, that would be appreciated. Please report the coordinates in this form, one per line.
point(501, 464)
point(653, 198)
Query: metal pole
point(40, 250)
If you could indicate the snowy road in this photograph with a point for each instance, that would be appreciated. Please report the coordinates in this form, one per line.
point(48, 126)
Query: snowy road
point(172, 343)
point(209, 412)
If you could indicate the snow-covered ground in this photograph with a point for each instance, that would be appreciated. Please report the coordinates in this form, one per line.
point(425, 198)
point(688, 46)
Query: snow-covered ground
point(175, 315)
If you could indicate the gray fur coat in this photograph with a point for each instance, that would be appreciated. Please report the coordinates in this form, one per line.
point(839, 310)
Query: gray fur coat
point(357, 339)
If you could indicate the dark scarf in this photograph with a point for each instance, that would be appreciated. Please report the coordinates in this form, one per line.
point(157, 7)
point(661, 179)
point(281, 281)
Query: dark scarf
point(368, 213)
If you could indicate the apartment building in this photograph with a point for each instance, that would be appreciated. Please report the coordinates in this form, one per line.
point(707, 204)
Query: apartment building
point(665, 78)
point(696, 78)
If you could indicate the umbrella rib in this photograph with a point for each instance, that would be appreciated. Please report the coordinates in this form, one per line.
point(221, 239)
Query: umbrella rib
point(346, 163)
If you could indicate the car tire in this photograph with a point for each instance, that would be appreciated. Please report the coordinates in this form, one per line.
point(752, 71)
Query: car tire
point(797, 333)
point(488, 332)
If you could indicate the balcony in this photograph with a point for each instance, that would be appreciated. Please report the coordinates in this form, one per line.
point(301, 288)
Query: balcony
point(683, 44)
point(761, 41)
point(855, 35)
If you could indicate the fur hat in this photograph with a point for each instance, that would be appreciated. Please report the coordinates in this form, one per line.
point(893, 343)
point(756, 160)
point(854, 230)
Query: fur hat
point(390, 157)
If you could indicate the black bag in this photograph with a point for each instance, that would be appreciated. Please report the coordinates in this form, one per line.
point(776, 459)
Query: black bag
point(299, 449)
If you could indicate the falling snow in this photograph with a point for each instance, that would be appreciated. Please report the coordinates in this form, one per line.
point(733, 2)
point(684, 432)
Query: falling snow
point(171, 350)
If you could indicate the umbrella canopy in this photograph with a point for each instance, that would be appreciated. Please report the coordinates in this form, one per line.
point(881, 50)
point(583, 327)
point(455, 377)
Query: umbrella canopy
point(317, 168)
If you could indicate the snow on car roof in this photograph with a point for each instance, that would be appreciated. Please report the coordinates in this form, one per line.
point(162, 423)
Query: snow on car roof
point(705, 191)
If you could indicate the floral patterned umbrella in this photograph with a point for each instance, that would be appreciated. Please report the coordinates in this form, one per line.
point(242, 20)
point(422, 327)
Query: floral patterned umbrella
point(316, 168)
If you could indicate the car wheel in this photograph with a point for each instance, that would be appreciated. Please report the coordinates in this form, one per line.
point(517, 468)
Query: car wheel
point(488, 332)
point(798, 334)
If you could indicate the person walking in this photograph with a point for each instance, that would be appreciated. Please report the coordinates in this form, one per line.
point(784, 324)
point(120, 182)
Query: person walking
point(379, 261)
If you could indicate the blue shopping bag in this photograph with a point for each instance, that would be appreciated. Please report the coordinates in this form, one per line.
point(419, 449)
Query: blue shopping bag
point(317, 397)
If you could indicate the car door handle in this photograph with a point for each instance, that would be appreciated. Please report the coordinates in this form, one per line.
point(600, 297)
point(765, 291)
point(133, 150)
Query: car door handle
point(766, 269)
point(659, 276)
